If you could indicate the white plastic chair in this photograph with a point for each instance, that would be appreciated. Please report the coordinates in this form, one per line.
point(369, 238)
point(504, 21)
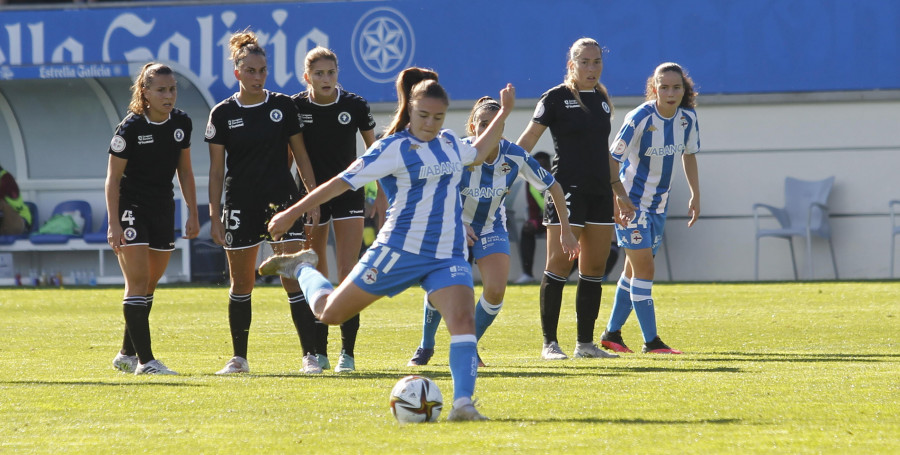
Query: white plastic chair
point(805, 214)
point(895, 230)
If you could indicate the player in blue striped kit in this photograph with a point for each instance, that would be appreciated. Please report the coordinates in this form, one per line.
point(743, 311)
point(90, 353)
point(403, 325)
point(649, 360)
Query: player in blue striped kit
point(653, 134)
point(484, 189)
point(423, 241)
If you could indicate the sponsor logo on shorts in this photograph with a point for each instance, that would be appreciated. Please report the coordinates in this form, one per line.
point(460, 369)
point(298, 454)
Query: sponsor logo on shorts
point(117, 144)
point(130, 234)
point(344, 118)
point(228, 238)
point(370, 276)
point(458, 270)
point(276, 115)
point(210, 131)
point(145, 139)
point(179, 135)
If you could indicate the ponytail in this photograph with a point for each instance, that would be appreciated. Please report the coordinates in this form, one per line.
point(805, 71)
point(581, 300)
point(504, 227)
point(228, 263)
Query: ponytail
point(406, 80)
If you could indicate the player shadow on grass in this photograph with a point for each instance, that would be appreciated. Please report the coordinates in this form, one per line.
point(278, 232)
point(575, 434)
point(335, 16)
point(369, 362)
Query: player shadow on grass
point(733, 356)
point(104, 383)
point(635, 421)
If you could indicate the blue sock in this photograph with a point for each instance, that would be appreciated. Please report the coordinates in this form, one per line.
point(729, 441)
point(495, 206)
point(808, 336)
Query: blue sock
point(463, 365)
point(621, 305)
point(313, 284)
point(485, 313)
point(429, 325)
point(642, 300)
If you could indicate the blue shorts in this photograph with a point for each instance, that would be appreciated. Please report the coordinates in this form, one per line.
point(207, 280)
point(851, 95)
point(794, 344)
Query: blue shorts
point(487, 244)
point(645, 231)
point(387, 271)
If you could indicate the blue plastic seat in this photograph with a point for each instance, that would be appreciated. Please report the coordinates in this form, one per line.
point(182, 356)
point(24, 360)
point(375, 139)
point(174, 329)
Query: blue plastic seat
point(98, 236)
point(895, 230)
point(805, 214)
point(66, 206)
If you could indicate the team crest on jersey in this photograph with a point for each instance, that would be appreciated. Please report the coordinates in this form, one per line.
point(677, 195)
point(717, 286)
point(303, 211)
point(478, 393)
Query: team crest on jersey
point(130, 234)
point(539, 110)
point(684, 122)
point(636, 237)
point(210, 131)
point(117, 144)
point(145, 139)
point(606, 107)
point(276, 115)
point(228, 238)
point(344, 118)
point(179, 135)
point(370, 276)
point(619, 149)
point(505, 168)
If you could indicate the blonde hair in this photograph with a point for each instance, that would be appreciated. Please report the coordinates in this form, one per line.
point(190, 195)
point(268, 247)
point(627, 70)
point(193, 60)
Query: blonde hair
point(144, 79)
point(243, 44)
point(573, 54)
point(689, 100)
point(483, 103)
point(412, 84)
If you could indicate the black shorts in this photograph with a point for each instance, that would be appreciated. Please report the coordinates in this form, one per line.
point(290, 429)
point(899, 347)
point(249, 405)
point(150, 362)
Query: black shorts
point(583, 209)
point(349, 204)
point(144, 224)
point(247, 224)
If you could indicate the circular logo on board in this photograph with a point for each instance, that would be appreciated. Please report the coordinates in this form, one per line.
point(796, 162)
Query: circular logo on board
point(179, 135)
point(130, 234)
point(344, 118)
point(382, 43)
point(276, 115)
point(117, 144)
point(210, 131)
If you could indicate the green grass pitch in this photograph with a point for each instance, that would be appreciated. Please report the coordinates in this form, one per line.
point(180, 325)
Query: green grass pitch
point(768, 368)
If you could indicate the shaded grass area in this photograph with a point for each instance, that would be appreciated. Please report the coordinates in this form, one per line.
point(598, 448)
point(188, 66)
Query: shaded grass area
point(791, 368)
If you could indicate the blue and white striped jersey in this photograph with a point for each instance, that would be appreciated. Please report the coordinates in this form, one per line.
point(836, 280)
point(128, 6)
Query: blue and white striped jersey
point(421, 181)
point(646, 147)
point(484, 188)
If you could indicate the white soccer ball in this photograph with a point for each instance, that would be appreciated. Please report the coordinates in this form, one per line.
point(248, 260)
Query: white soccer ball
point(416, 399)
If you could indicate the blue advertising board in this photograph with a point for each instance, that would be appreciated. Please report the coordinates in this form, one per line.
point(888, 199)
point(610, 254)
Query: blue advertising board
point(729, 46)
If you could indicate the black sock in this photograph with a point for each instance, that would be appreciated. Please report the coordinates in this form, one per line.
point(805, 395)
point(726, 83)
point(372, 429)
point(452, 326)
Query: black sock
point(127, 345)
point(551, 302)
point(349, 329)
point(304, 321)
point(321, 338)
point(526, 250)
point(239, 316)
point(135, 310)
point(587, 305)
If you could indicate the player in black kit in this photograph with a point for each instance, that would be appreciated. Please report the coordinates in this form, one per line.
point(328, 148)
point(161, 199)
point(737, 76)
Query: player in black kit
point(151, 144)
point(578, 114)
point(331, 118)
point(249, 133)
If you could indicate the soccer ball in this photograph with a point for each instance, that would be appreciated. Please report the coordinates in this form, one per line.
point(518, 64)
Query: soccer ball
point(416, 399)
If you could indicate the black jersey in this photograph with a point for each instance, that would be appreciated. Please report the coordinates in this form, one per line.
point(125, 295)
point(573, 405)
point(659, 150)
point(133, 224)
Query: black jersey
point(580, 138)
point(256, 147)
point(329, 131)
point(153, 151)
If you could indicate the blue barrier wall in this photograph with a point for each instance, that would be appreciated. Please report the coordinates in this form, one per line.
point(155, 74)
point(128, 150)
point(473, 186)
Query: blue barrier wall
point(729, 46)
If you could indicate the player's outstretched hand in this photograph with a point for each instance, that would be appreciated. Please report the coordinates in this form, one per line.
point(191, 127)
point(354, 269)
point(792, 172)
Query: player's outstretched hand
point(508, 98)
